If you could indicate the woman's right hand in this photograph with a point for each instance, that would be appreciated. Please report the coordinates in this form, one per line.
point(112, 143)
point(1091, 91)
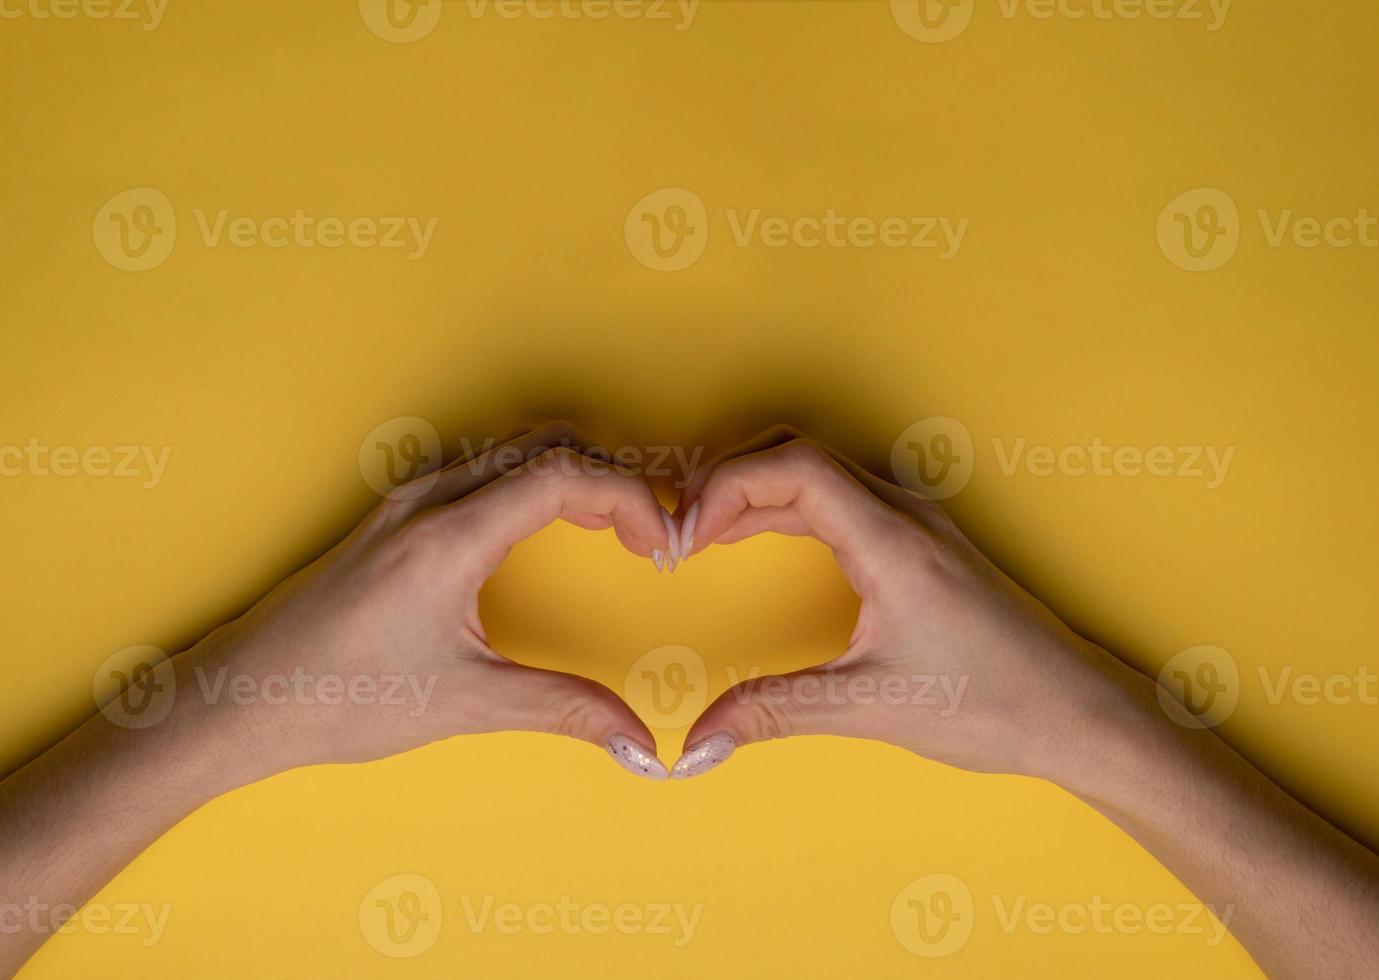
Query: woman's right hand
point(949, 658)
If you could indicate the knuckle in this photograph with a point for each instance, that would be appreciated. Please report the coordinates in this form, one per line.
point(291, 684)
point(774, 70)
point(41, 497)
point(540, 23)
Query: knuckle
point(782, 432)
point(770, 719)
point(559, 432)
point(572, 717)
point(806, 453)
point(555, 461)
point(391, 511)
point(422, 530)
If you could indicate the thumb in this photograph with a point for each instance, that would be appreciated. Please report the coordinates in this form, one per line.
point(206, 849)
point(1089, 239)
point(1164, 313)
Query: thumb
point(534, 700)
point(815, 701)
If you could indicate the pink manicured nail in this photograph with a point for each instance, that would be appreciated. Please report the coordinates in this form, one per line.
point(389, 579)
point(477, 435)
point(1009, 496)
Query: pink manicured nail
point(658, 558)
point(673, 558)
point(704, 755)
point(687, 531)
point(634, 757)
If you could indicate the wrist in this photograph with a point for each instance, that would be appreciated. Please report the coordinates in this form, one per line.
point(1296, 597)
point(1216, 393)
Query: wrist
point(216, 742)
point(1116, 739)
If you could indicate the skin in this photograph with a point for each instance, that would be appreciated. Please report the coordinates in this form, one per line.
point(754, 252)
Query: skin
point(399, 597)
point(1039, 701)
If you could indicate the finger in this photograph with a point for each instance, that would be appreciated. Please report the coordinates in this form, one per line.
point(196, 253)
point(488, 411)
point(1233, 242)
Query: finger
point(806, 702)
point(560, 484)
point(901, 498)
point(478, 469)
point(798, 485)
point(774, 436)
point(476, 452)
point(759, 520)
point(519, 698)
point(472, 471)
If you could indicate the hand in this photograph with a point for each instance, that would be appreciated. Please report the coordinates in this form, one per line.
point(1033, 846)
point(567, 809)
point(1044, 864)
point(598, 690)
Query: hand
point(1017, 691)
point(373, 649)
point(949, 659)
point(384, 629)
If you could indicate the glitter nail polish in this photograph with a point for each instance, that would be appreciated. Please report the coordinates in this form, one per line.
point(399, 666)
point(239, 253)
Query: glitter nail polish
point(704, 755)
point(634, 757)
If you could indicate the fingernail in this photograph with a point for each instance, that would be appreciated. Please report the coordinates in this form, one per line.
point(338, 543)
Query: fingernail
point(657, 558)
point(634, 757)
point(673, 558)
point(704, 755)
point(687, 531)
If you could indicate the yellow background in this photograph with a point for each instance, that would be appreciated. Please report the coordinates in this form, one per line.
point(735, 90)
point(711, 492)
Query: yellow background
point(529, 140)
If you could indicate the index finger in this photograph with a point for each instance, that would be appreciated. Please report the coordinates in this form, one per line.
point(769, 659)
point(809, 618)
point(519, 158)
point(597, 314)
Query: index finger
point(799, 487)
point(562, 484)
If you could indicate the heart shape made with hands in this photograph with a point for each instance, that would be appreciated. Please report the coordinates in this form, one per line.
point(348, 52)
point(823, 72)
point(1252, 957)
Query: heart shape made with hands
point(666, 658)
point(925, 608)
point(668, 644)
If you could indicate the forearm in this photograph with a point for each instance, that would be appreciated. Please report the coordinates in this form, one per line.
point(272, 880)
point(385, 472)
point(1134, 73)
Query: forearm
point(1302, 897)
point(76, 815)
